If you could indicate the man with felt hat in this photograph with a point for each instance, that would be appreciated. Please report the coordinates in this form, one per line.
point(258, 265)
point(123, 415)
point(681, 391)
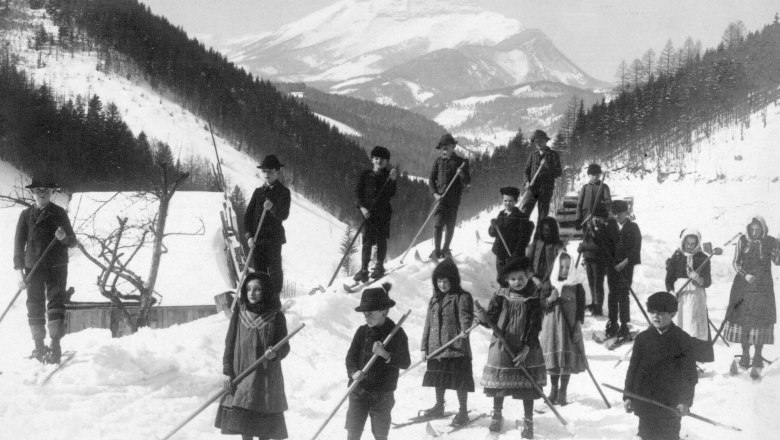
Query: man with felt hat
point(541, 170)
point(373, 192)
point(43, 236)
point(447, 169)
point(273, 199)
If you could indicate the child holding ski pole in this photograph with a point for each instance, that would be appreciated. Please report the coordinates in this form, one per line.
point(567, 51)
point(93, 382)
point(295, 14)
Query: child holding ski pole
point(514, 228)
point(444, 170)
point(516, 312)
point(374, 393)
point(450, 311)
point(255, 407)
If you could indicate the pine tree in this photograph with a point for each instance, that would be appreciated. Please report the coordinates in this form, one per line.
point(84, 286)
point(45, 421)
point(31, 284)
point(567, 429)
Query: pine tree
point(346, 250)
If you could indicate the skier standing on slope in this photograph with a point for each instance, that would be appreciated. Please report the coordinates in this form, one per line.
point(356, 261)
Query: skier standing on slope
point(593, 206)
point(621, 271)
point(514, 228)
point(444, 170)
point(545, 165)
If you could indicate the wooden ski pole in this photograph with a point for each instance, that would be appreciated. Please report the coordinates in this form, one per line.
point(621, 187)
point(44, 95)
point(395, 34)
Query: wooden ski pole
point(522, 368)
point(501, 236)
point(362, 375)
point(248, 260)
point(435, 205)
point(716, 251)
point(236, 381)
point(670, 408)
point(29, 275)
point(531, 183)
point(462, 335)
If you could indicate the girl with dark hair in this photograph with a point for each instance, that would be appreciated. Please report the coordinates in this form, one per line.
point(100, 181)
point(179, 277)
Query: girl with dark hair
point(544, 248)
point(255, 407)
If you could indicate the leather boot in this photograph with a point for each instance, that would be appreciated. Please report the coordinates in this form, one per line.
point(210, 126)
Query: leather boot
point(528, 428)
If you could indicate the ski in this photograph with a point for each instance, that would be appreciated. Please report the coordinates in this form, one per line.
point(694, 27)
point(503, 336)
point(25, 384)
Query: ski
point(433, 432)
point(422, 419)
point(359, 285)
point(618, 342)
point(420, 260)
point(755, 373)
point(64, 360)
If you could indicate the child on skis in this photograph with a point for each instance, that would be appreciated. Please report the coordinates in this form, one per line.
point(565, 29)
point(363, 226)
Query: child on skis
point(450, 311)
point(517, 313)
point(373, 193)
point(620, 275)
point(663, 369)
point(751, 315)
point(545, 247)
point(255, 407)
point(563, 303)
point(445, 169)
point(374, 394)
point(513, 226)
point(692, 302)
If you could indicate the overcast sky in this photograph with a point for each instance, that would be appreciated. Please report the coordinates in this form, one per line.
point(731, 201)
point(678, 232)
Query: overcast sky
point(595, 34)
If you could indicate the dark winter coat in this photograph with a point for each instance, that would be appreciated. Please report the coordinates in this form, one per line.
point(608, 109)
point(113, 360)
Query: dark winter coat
point(35, 231)
point(629, 244)
point(587, 204)
point(272, 229)
point(677, 268)
point(551, 170)
point(543, 257)
point(249, 336)
point(373, 192)
point(382, 376)
point(598, 244)
point(443, 171)
point(448, 314)
point(662, 368)
point(516, 230)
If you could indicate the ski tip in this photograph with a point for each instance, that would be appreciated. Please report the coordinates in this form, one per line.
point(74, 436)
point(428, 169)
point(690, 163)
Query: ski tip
point(430, 431)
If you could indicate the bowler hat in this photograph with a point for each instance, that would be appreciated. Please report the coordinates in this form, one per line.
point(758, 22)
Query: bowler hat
point(375, 298)
point(380, 152)
point(594, 169)
point(41, 184)
point(446, 139)
point(619, 206)
point(270, 162)
point(662, 302)
point(540, 134)
point(510, 191)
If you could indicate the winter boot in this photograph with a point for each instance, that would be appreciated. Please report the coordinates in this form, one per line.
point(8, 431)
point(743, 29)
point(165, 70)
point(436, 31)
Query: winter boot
point(497, 421)
point(744, 360)
point(55, 352)
point(361, 276)
point(40, 352)
point(436, 410)
point(435, 255)
point(378, 272)
point(624, 332)
point(562, 396)
point(528, 428)
point(611, 330)
point(446, 253)
point(461, 418)
point(553, 394)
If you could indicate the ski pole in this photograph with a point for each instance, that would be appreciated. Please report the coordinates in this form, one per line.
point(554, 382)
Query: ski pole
point(522, 368)
point(29, 275)
point(249, 370)
point(501, 236)
point(462, 335)
point(590, 216)
point(248, 260)
point(670, 408)
point(362, 375)
point(435, 205)
point(716, 251)
point(531, 183)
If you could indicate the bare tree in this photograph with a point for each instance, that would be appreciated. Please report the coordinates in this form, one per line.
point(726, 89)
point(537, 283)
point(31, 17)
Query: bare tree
point(734, 34)
point(637, 72)
point(648, 60)
point(667, 59)
point(622, 75)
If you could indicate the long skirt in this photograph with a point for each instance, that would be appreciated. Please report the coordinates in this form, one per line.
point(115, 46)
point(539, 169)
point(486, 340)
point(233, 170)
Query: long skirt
point(452, 373)
point(242, 421)
point(561, 354)
point(692, 313)
point(749, 335)
point(500, 378)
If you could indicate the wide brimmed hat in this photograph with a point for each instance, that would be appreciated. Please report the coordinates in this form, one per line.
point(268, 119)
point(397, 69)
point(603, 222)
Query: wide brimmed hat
point(594, 169)
point(270, 162)
point(619, 206)
point(510, 191)
point(41, 184)
point(380, 152)
point(445, 140)
point(662, 302)
point(540, 134)
point(375, 298)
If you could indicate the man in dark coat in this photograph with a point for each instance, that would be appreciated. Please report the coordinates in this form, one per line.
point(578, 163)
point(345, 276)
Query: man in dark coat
point(545, 165)
point(514, 227)
point(42, 226)
point(663, 369)
point(274, 198)
point(621, 270)
point(444, 170)
point(372, 195)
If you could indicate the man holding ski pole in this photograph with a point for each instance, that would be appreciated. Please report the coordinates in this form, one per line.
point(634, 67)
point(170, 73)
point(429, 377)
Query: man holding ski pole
point(541, 170)
point(445, 168)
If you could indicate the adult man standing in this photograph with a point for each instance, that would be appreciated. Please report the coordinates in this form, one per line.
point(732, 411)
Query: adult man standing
point(444, 170)
point(543, 167)
point(274, 199)
point(44, 226)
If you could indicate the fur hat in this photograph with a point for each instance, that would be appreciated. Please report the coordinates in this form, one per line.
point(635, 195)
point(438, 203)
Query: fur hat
point(594, 169)
point(446, 139)
point(662, 302)
point(375, 298)
point(446, 269)
point(510, 191)
point(270, 162)
point(519, 263)
point(380, 152)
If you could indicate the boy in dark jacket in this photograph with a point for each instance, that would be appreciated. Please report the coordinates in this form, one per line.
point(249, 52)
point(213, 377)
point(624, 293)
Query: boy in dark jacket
point(40, 226)
point(597, 248)
point(514, 227)
point(372, 193)
point(594, 198)
point(621, 271)
point(663, 369)
point(374, 394)
point(548, 165)
point(444, 170)
point(274, 198)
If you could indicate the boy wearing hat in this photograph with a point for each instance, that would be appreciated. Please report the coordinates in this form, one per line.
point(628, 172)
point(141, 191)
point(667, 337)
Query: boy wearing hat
point(444, 170)
point(543, 187)
point(274, 198)
point(372, 195)
point(41, 226)
point(663, 369)
point(514, 227)
point(621, 270)
point(587, 204)
point(374, 394)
